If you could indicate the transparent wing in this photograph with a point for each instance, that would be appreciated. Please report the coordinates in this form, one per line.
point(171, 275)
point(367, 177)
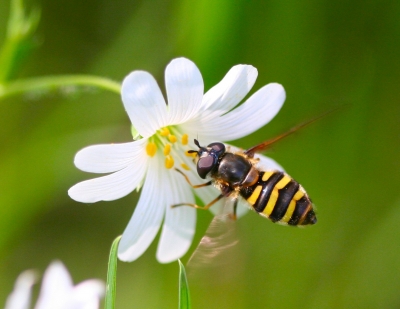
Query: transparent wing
point(217, 257)
point(219, 237)
point(266, 144)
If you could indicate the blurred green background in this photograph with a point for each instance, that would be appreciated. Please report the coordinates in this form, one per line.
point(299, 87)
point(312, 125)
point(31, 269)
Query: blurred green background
point(325, 53)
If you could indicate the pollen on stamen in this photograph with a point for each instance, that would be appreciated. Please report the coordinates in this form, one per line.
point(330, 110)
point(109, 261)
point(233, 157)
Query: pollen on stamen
point(190, 154)
point(169, 162)
point(164, 132)
point(172, 138)
point(167, 149)
point(185, 139)
point(151, 149)
point(184, 166)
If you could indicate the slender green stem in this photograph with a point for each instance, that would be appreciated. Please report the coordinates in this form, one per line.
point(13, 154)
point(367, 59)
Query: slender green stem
point(111, 288)
point(49, 83)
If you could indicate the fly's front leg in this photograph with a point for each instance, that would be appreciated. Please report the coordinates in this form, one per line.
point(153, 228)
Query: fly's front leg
point(208, 183)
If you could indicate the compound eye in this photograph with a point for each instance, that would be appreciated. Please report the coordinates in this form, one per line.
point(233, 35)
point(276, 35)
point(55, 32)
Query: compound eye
point(205, 165)
point(218, 148)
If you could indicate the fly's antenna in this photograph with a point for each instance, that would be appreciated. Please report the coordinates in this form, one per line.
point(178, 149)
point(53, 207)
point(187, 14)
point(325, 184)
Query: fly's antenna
point(197, 143)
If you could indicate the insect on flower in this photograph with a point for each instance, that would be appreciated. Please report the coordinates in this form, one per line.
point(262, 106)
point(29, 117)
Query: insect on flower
point(165, 128)
point(271, 193)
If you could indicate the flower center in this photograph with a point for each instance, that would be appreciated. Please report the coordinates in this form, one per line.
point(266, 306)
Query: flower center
point(173, 144)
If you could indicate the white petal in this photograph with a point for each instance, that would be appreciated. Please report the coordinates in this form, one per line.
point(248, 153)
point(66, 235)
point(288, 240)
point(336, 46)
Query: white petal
point(109, 158)
point(179, 224)
point(144, 102)
point(184, 90)
point(87, 295)
point(110, 187)
point(230, 90)
point(257, 111)
point(56, 287)
point(146, 220)
point(21, 295)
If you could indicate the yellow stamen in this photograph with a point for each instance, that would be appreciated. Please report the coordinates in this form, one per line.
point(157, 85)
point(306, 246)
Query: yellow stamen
point(164, 132)
point(172, 138)
point(190, 154)
point(185, 139)
point(151, 149)
point(185, 166)
point(167, 149)
point(169, 162)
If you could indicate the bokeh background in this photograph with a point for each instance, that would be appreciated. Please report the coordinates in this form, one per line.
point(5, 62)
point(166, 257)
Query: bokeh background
point(325, 53)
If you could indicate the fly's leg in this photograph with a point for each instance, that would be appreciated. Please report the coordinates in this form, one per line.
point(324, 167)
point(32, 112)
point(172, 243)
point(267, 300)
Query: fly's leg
point(208, 183)
point(233, 216)
point(200, 207)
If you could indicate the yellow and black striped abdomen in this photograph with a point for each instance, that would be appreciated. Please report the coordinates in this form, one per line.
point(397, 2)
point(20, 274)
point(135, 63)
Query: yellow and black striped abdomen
point(280, 198)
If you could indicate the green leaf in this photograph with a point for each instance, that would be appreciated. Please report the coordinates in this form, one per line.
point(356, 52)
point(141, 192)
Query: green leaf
point(184, 295)
point(111, 290)
point(19, 39)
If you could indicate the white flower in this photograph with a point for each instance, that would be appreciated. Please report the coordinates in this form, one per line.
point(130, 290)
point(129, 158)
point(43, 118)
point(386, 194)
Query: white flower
point(167, 132)
point(57, 292)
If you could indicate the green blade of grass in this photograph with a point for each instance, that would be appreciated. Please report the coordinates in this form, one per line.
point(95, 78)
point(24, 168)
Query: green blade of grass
point(184, 295)
point(111, 290)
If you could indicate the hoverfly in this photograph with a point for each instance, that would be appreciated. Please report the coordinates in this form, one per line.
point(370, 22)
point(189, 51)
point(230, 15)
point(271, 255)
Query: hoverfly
point(272, 194)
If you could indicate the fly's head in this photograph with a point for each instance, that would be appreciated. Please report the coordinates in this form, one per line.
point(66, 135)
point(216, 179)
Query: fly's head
point(208, 157)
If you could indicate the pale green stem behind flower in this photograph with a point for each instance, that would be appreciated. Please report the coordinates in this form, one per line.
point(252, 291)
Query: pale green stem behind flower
point(50, 83)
